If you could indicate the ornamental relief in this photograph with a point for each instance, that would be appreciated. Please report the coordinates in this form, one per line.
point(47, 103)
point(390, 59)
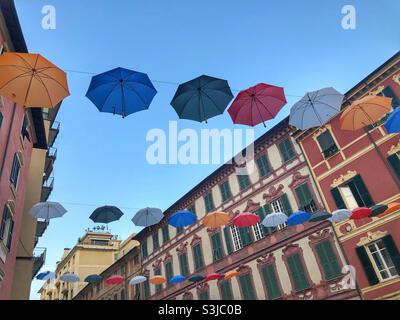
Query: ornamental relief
point(168, 256)
point(251, 206)
point(291, 249)
point(394, 149)
point(265, 259)
point(156, 264)
point(320, 235)
point(377, 91)
point(273, 193)
point(396, 78)
point(243, 269)
point(321, 130)
point(182, 247)
point(195, 240)
point(371, 236)
point(201, 287)
point(343, 178)
point(298, 179)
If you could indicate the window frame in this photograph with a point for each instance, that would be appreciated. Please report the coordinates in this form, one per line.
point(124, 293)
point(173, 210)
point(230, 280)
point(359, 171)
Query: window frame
point(382, 259)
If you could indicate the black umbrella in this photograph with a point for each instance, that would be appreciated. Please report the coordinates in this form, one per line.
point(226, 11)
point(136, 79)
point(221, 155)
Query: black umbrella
point(106, 214)
point(202, 98)
point(320, 216)
point(377, 210)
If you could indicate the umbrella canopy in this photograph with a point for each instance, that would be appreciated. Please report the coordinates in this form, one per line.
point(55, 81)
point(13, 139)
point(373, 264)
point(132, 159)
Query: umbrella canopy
point(31, 80)
point(392, 207)
point(378, 209)
point(392, 123)
point(93, 278)
point(202, 98)
point(214, 276)
point(274, 219)
point(157, 280)
point(257, 104)
point(106, 214)
point(121, 91)
point(182, 218)
point(196, 278)
point(320, 216)
point(298, 217)
point(147, 217)
point(364, 112)
point(69, 277)
point(176, 279)
point(340, 215)
point(231, 274)
point(137, 280)
point(47, 210)
point(315, 108)
point(115, 279)
point(46, 275)
point(246, 219)
point(216, 219)
point(360, 213)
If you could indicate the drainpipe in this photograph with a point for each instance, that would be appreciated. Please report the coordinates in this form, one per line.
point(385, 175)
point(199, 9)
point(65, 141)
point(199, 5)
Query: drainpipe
point(7, 141)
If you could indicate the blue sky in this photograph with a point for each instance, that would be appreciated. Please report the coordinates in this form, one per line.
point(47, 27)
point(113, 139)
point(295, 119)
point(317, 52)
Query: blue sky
point(299, 45)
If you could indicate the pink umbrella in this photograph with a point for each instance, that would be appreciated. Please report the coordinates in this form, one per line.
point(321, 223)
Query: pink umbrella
point(360, 213)
point(257, 104)
point(246, 219)
point(214, 276)
point(114, 279)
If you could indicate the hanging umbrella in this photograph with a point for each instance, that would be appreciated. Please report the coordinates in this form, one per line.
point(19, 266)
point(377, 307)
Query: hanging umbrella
point(106, 214)
point(121, 91)
point(214, 276)
point(69, 277)
point(298, 217)
point(320, 216)
point(392, 207)
point(46, 275)
point(274, 219)
point(216, 219)
point(257, 104)
point(340, 215)
point(30, 80)
point(47, 210)
point(378, 209)
point(196, 278)
point(176, 279)
point(147, 217)
point(114, 279)
point(392, 123)
point(137, 280)
point(315, 108)
point(182, 218)
point(231, 274)
point(360, 213)
point(245, 219)
point(157, 280)
point(93, 278)
point(202, 98)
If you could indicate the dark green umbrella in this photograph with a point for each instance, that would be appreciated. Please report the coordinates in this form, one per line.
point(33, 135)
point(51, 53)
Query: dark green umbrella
point(196, 278)
point(106, 214)
point(320, 216)
point(202, 98)
point(377, 210)
point(93, 278)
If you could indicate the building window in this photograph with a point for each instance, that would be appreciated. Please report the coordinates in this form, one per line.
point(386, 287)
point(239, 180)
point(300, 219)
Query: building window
point(168, 271)
point(226, 290)
point(286, 149)
point(305, 199)
point(156, 243)
point(298, 272)
point(204, 295)
point(327, 144)
point(135, 259)
point(97, 242)
point(1, 119)
point(7, 226)
point(183, 262)
point(237, 242)
point(144, 248)
point(228, 239)
point(216, 246)
point(394, 161)
point(24, 128)
point(146, 289)
point(271, 282)
point(244, 181)
point(15, 170)
point(328, 260)
point(246, 286)
point(157, 272)
point(226, 193)
point(193, 208)
point(281, 204)
point(209, 202)
point(179, 230)
point(165, 233)
point(382, 260)
point(263, 165)
point(122, 294)
point(257, 231)
point(198, 257)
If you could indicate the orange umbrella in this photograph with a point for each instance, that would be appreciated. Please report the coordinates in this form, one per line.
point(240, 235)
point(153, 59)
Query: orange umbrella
point(231, 274)
point(31, 81)
point(364, 112)
point(157, 280)
point(392, 207)
point(216, 219)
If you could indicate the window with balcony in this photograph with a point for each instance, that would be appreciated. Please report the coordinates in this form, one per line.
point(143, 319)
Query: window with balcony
point(209, 202)
point(7, 226)
point(386, 92)
point(225, 189)
point(263, 165)
point(327, 144)
point(286, 150)
point(281, 204)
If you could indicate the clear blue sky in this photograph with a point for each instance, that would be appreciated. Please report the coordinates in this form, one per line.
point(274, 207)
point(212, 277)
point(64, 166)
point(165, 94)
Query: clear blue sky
point(299, 45)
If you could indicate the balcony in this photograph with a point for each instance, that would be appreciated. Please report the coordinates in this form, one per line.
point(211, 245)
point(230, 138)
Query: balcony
point(51, 114)
point(47, 188)
point(53, 133)
point(41, 226)
point(39, 257)
point(51, 157)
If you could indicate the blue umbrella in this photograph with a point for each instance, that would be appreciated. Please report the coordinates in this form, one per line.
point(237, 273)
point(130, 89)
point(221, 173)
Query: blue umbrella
point(176, 279)
point(182, 218)
point(147, 217)
point(121, 91)
point(93, 278)
point(69, 277)
point(46, 275)
point(392, 124)
point(298, 217)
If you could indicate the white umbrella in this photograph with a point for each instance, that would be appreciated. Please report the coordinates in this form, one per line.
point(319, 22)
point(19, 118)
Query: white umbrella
point(69, 277)
point(147, 217)
point(340, 215)
point(274, 219)
point(137, 280)
point(47, 210)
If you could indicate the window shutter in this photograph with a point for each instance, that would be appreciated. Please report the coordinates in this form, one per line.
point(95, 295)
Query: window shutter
point(328, 260)
point(301, 196)
point(393, 251)
point(298, 273)
point(245, 236)
point(228, 240)
point(362, 189)
point(226, 293)
point(388, 92)
point(367, 265)
point(395, 163)
point(286, 205)
point(168, 271)
point(10, 234)
point(338, 198)
point(271, 282)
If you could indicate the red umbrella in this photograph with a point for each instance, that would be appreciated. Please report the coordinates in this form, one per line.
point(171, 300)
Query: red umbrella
point(114, 280)
point(246, 219)
point(360, 213)
point(214, 276)
point(257, 104)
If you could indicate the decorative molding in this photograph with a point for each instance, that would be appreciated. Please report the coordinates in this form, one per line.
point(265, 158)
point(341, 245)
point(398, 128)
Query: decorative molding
point(146, 272)
point(168, 256)
point(320, 235)
point(343, 178)
point(273, 192)
point(251, 206)
point(321, 130)
point(196, 239)
point(187, 296)
point(298, 179)
point(243, 269)
point(182, 247)
point(371, 236)
point(376, 91)
point(212, 231)
point(265, 259)
point(201, 287)
point(291, 249)
point(394, 149)
point(396, 78)
point(156, 264)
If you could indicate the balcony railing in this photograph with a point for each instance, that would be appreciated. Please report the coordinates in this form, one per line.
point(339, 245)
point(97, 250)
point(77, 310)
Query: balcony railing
point(41, 227)
point(39, 258)
point(330, 151)
point(54, 130)
point(51, 114)
point(47, 188)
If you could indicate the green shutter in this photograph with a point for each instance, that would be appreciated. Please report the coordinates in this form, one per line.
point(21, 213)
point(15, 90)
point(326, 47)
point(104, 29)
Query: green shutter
point(165, 233)
point(388, 92)
point(244, 181)
point(226, 292)
point(168, 271)
point(216, 246)
point(228, 240)
point(363, 191)
point(1, 119)
point(146, 289)
point(198, 258)
point(247, 287)
point(144, 248)
point(298, 273)
point(184, 264)
point(204, 295)
point(328, 260)
point(394, 161)
point(263, 165)
point(225, 191)
point(209, 203)
point(271, 282)
point(367, 265)
point(337, 197)
point(245, 235)
point(286, 205)
point(286, 149)
point(304, 195)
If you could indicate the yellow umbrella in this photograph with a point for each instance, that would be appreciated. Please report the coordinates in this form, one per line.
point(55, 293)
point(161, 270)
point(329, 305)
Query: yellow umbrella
point(157, 280)
point(231, 274)
point(32, 81)
point(216, 219)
